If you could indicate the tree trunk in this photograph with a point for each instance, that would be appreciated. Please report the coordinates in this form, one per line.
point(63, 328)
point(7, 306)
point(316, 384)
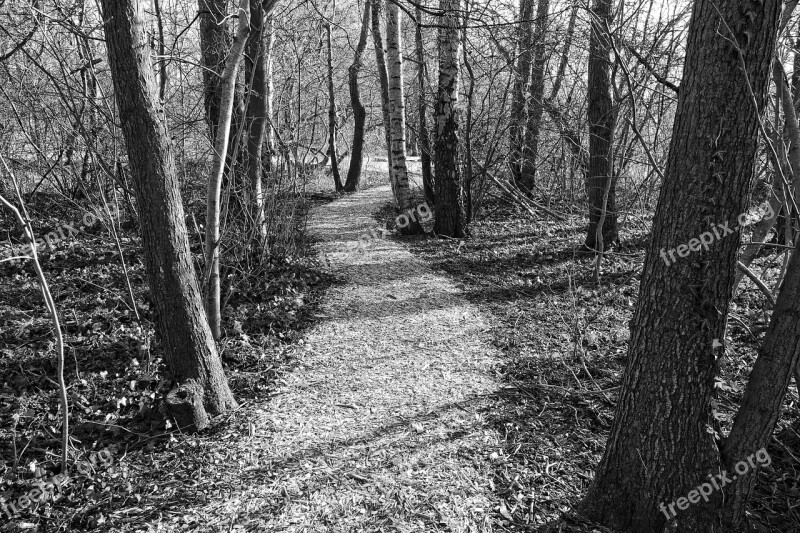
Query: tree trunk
point(601, 128)
point(227, 95)
point(256, 114)
point(269, 135)
point(522, 72)
point(397, 119)
point(562, 64)
point(789, 159)
point(763, 398)
point(359, 112)
point(215, 43)
point(190, 352)
point(661, 444)
point(527, 178)
point(334, 158)
point(450, 212)
point(422, 111)
point(383, 76)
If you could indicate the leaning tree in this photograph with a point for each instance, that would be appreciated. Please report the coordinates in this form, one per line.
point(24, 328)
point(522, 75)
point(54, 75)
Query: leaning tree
point(190, 351)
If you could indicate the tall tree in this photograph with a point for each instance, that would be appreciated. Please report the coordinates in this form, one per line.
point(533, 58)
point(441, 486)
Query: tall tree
point(227, 94)
point(257, 74)
point(398, 170)
point(522, 73)
point(527, 178)
point(662, 443)
point(422, 113)
point(450, 211)
point(359, 111)
point(215, 43)
point(216, 39)
point(269, 134)
point(600, 181)
point(332, 151)
point(383, 75)
point(190, 351)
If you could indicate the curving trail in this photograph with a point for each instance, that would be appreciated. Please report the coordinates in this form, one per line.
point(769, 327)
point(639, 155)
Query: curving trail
point(382, 426)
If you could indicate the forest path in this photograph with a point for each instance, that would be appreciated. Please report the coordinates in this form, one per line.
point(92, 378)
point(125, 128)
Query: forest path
point(382, 426)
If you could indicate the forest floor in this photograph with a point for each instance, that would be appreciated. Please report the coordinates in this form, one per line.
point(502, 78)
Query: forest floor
point(407, 384)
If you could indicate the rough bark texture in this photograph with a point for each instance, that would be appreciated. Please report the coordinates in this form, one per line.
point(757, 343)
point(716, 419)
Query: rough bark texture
point(383, 75)
point(359, 112)
point(522, 72)
point(450, 212)
point(422, 112)
point(661, 444)
point(256, 57)
point(332, 151)
point(527, 178)
point(227, 93)
point(601, 132)
point(191, 354)
point(397, 118)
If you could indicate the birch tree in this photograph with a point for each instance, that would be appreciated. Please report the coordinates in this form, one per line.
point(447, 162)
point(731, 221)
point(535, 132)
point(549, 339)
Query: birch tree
point(398, 171)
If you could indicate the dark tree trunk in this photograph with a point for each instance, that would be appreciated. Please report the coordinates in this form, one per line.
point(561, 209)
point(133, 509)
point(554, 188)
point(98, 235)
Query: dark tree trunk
point(216, 39)
point(359, 112)
point(522, 72)
point(190, 351)
point(422, 111)
point(527, 178)
point(215, 43)
point(450, 209)
point(255, 76)
point(601, 133)
point(661, 444)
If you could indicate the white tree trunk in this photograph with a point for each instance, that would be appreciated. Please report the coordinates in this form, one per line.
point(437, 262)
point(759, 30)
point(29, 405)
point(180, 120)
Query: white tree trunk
point(227, 94)
point(398, 170)
point(269, 140)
